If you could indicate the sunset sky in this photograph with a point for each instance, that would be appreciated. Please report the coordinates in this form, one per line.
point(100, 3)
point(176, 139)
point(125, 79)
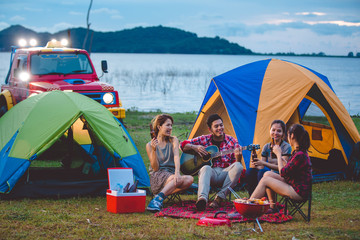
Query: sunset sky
point(329, 26)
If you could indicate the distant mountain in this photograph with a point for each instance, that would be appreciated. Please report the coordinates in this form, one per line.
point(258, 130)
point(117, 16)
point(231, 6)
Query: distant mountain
point(157, 39)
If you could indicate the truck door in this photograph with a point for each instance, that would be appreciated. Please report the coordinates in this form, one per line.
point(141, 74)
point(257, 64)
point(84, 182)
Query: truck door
point(19, 85)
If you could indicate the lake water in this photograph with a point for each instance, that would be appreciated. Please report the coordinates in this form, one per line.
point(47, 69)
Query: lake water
point(178, 83)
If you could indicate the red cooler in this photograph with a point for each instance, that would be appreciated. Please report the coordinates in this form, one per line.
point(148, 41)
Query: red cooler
point(119, 202)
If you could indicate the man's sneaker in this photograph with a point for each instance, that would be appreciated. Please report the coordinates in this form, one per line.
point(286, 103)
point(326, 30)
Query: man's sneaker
point(216, 203)
point(155, 205)
point(201, 204)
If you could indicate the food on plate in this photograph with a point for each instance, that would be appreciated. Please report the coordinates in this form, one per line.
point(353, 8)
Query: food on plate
point(261, 201)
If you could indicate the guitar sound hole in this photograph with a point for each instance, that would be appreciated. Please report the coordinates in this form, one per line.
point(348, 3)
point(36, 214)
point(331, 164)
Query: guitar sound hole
point(207, 157)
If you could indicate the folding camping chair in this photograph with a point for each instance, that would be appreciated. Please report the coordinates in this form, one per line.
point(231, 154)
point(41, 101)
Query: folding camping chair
point(238, 187)
point(293, 206)
point(174, 198)
point(214, 190)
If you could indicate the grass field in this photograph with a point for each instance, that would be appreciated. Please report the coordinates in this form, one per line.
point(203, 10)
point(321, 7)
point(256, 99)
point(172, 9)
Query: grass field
point(335, 210)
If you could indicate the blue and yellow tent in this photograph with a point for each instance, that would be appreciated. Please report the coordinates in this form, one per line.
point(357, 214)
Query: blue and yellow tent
point(81, 137)
point(250, 97)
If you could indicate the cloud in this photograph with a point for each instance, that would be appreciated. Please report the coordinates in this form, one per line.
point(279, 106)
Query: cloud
point(17, 18)
point(53, 29)
point(280, 21)
point(310, 14)
point(231, 30)
point(4, 25)
point(326, 28)
point(339, 23)
point(105, 11)
point(112, 13)
point(333, 29)
point(297, 41)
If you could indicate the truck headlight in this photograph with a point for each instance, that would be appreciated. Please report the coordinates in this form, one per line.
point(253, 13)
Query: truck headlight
point(33, 42)
point(24, 76)
point(108, 98)
point(22, 42)
point(64, 42)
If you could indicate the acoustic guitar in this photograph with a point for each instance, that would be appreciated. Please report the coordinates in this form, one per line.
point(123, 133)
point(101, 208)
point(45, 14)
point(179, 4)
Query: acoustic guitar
point(190, 164)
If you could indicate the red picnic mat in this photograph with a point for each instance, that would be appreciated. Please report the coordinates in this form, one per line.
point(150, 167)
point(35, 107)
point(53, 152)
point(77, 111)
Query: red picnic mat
point(187, 209)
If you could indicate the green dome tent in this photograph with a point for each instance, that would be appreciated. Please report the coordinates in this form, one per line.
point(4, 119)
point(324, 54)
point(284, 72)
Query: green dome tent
point(45, 124)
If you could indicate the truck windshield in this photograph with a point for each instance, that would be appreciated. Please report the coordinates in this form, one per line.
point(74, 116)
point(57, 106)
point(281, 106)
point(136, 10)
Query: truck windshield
point(60, 63)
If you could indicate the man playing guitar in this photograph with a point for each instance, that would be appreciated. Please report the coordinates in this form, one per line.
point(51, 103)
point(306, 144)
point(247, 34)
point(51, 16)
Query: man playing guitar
point(225, 170)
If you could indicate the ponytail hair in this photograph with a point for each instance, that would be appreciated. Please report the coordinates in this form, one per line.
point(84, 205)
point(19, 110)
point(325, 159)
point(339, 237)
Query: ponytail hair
point(301, 136)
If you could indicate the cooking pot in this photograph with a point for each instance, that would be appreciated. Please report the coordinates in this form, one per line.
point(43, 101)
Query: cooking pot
point(214, 221)
point(251, 210)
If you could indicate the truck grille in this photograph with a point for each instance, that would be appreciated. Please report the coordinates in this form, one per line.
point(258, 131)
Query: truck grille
point(95, 96)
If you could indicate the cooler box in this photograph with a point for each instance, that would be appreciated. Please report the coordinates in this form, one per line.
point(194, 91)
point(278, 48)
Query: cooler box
point(118, 202)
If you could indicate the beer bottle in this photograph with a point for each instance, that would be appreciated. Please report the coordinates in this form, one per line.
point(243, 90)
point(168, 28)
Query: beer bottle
point(133, 187)
point(253, 154)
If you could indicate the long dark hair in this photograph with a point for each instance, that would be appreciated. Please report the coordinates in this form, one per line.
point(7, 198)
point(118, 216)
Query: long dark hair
point(301, 136)
point(282, 124)
point(159, 120)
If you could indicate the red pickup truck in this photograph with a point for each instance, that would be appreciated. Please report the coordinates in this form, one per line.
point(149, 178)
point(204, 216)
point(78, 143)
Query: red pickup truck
point(40, 69)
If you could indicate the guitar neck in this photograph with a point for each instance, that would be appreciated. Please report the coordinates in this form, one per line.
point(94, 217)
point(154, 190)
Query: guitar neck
point(218, 154)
